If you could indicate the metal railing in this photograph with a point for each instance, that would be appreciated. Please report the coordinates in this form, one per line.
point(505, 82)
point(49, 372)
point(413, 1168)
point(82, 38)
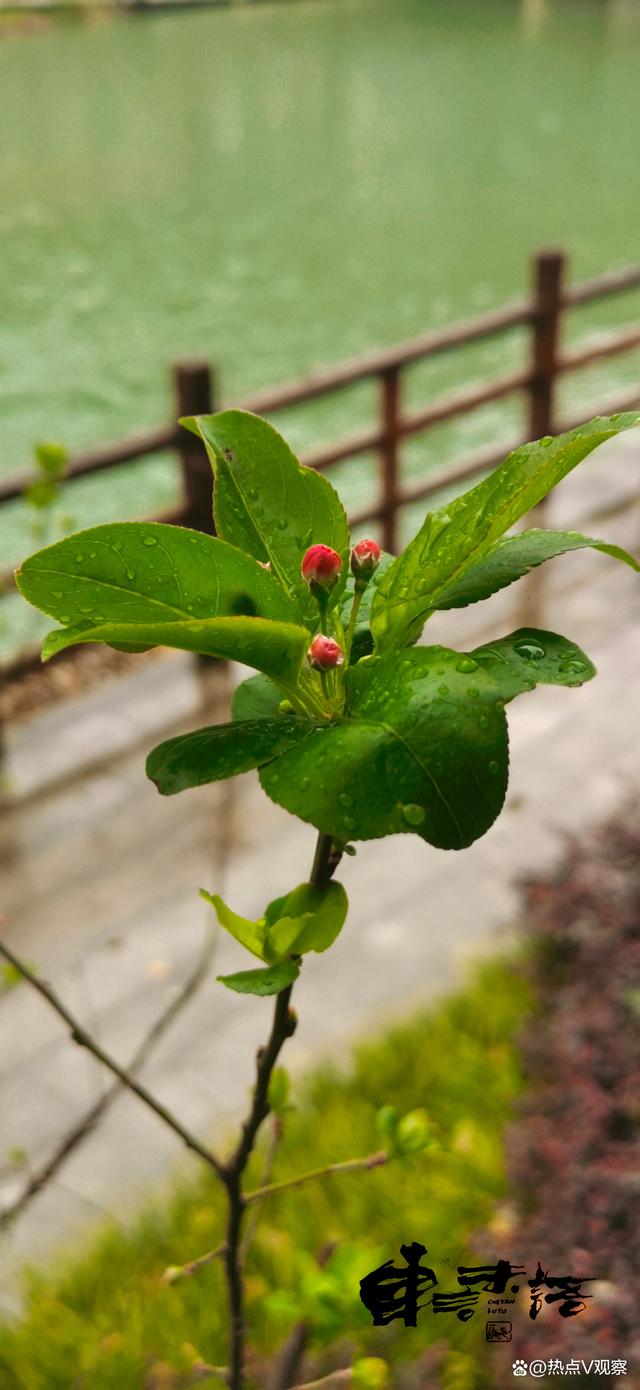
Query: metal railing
point(542, 313)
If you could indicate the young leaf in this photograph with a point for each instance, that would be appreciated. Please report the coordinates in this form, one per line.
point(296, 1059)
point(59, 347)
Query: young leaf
point(307, 919)
point(249, 934)
point(458, 536)
point(256, 698)
point(277, 649)
point(514, 557)
point(147, 572)
point(266, 503)
point(269, 981)
point(423, 749)
point(530, 657)
point(223, 750)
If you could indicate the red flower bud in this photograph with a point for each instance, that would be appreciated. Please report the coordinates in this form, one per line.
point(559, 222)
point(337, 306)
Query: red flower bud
point(365, 558)
point(321, 565)
point(324, 654)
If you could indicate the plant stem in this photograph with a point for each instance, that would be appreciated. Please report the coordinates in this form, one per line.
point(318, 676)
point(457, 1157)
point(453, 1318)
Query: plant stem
point(84, 1039)
point(283, 1026)
point(357, 600)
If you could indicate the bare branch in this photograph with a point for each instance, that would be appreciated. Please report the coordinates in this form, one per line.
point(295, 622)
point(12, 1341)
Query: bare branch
point(39, 1177)
point(84, 1039)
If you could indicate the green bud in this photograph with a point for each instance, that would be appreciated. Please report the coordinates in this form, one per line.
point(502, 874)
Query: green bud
point(386, 1121)
point(278, 1091)
point(413, 1132)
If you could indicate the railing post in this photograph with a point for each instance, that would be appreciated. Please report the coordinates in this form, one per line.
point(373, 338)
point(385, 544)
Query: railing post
point(193, 390)
point(548, 275)
point(390, 416)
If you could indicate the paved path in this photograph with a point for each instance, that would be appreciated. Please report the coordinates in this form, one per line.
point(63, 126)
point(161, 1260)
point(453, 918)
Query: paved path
point(100, 879)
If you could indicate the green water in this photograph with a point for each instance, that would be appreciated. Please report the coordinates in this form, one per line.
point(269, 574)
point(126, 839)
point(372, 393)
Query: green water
point(283, 185)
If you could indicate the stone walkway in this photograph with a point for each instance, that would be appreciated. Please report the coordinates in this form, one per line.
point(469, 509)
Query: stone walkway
point(100, 879)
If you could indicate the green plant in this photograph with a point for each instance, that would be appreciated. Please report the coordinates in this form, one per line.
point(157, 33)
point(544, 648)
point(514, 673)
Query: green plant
point(352, 727)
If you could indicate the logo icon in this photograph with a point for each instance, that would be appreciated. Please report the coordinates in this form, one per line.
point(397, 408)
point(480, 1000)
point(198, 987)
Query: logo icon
point(498, 1332)
point(519, 1367)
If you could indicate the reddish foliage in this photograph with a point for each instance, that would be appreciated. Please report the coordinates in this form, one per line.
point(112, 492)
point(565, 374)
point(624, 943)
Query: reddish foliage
point(574, 1153)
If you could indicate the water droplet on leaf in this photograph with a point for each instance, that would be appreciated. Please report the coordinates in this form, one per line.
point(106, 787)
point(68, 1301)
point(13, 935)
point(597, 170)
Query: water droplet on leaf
point(413, 814)
point(529, 650)
point(466, 664)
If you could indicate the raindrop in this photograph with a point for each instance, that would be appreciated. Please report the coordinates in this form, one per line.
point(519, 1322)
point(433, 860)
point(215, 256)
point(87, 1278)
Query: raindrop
point(305, 783)
point(64, 618)
point(282, 523)
point(79, 558)
point(494, 768)
point(253, 494)
point(345, 800)
point(131, 574)
point(149, 540)
point(443, 689)
point(546, 440)
point(349, 823)
point(57, 593)
point(473, 691)
point(529, 650)
point(484, 722)
point(412, 814)
point(466, 664)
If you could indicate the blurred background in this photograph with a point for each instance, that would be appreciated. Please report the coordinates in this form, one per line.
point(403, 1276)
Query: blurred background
point(261, 192)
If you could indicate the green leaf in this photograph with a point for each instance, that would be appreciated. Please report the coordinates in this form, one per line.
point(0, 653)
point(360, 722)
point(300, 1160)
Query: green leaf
point(423, 749)
point(270, 981)
point(256, 698)
point(531, 657)
point(514, 557)
point(277, 649)
point(458, 536)
point(266, 503)
point(249, 934)
point(223, 750)
point(147, 572)
point(307, 919)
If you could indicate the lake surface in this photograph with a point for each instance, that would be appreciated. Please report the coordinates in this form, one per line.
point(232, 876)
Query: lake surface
point(282, 185)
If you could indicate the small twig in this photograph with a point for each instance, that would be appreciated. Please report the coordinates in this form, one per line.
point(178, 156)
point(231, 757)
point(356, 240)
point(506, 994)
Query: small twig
point(349, 1165)
point(338, 1380)
point(39, 1177)
point(267, 1172)
point(84, 1039)
point(175, 1273)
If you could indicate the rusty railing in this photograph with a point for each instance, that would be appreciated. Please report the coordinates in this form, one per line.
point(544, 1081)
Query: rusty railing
point(541, 313)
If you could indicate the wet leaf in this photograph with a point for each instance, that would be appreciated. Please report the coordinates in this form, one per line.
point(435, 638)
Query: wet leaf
point(457, 537)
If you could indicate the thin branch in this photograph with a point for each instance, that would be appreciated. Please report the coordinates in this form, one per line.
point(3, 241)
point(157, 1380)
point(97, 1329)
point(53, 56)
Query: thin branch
point(175, 1273)
point(39, 1177)
point(267, 1174)
point(349, 1165)
point(338, 1380)
point(84, 1039)
point(283, 1026)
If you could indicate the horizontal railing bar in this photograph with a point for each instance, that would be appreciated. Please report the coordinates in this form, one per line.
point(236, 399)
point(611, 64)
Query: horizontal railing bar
point(601, 286)
point(600, 348)
point(389, 359)
point(460, 402)
point(448, 407)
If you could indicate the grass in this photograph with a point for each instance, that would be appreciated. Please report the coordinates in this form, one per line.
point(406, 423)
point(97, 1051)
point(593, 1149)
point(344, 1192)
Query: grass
point(106, 1321)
